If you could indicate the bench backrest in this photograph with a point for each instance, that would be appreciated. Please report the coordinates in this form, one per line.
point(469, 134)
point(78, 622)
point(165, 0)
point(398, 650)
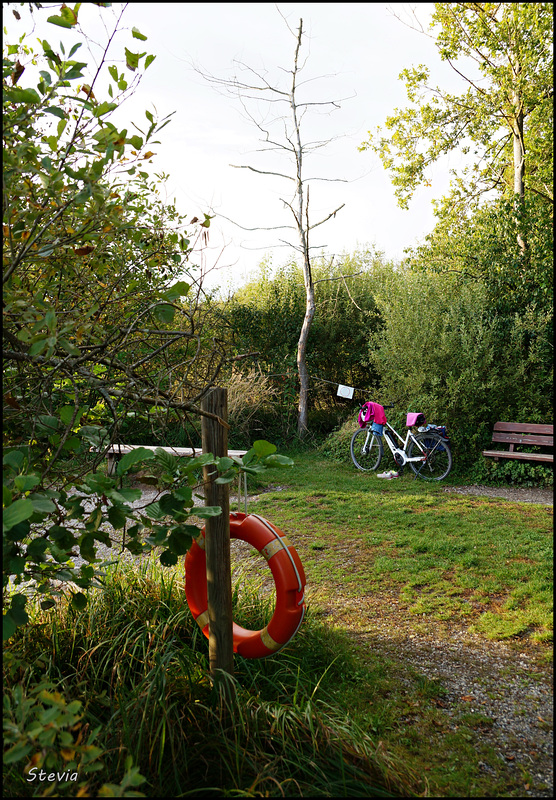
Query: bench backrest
point(523, 433)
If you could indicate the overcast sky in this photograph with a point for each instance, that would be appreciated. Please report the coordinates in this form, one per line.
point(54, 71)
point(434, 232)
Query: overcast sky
point(359, 48)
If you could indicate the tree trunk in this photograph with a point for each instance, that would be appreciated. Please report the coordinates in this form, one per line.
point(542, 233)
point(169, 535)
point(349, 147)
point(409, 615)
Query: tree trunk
point(519, 162)
point(303, 230)
point(302, 418)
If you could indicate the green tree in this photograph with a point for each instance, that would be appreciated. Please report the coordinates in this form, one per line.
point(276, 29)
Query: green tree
point(502, 122)
point(494, 232)
point(90, 255)
point(442, 351)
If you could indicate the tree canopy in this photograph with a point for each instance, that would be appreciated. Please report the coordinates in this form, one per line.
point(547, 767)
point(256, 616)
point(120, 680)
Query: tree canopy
point(101, 310)
point(501, 122)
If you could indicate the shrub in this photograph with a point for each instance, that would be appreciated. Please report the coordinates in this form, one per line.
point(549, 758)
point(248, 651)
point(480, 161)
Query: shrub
point(443, 351)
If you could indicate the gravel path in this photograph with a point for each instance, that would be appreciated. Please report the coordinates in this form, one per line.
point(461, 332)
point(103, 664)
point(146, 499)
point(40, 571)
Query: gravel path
point(517, 494)
point(510, 687)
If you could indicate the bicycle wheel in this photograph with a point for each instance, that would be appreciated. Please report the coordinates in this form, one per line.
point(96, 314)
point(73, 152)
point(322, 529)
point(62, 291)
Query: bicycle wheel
point(365, 454)
point(438, 461)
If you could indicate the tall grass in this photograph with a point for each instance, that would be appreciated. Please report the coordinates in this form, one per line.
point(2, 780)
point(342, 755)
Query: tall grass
point(138, 663)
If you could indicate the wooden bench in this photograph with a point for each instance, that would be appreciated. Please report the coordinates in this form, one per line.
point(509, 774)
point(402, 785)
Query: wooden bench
point(517, 433)
point(116, 451)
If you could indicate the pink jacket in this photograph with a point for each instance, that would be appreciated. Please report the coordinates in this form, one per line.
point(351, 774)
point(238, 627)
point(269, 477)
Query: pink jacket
point(372, 412)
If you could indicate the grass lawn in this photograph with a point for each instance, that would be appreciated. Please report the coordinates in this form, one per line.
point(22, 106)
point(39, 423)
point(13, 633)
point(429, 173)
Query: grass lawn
point(478, 562)
point(340, 712)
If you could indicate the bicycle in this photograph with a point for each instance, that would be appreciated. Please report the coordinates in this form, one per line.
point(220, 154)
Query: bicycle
point(427, 452)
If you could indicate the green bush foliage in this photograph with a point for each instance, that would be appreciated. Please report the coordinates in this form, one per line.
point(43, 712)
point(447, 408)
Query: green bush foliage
point(267, 314)
point(444, 350)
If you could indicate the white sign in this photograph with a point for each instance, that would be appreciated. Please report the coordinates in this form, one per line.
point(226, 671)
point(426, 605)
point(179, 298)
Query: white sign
point(345, 391)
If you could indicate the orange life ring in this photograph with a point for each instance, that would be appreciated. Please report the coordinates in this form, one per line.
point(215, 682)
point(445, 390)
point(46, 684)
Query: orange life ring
point(289, 578)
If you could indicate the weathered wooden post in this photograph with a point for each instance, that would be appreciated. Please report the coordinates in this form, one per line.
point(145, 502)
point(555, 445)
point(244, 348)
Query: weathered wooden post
point(217, 537)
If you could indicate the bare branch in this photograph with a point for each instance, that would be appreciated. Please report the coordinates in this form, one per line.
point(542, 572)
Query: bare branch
point(262, 171)
point(332, 214)
point(258, 228)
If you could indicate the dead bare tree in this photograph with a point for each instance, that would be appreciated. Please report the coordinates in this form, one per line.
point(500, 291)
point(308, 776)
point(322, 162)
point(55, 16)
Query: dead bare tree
point(256, 88)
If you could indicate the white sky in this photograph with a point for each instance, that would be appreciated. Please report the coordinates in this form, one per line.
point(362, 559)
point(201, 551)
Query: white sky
point(361, 47)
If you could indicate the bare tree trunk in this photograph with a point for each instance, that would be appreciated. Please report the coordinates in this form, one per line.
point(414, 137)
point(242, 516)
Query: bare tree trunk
point(303, 407)
point(257, 88)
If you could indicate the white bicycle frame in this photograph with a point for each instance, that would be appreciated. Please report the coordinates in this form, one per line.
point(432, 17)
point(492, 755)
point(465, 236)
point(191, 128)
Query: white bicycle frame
point(396, 450)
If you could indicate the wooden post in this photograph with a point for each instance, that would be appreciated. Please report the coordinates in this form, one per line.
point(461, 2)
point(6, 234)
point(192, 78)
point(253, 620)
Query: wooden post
point(217, 538)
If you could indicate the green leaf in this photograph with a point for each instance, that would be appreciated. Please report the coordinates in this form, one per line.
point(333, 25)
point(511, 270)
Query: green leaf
point(79, 601)
point(15, 616)
point(276, 460)
point(179, 289)
point(19, 750)
point(204, 512)
point(42, 504)
point(66, 414)
point(72, 443)
point(169, 504)
point(153, 511)
point(228, 477)
point(168, 559)
point(225, 463)
point(24, 483)
point(37, 548)
point(83, 195)
point(17, 565)
point(132, 59)
point(17, 95)
point(169, 462)
point(104, 108)
point(47, 423)
point(48, 249)
point(164, 313)
point(126, 495)
point(67, 18)
point(58, 112)
point(95, 434)
point(138, 35)
point(184, 493)
point(17, 512)
point(116, 517)
point(134, 457)
point(200, 461)
point(263, 448)
point(13, 459)
point(98, 482)
point(136, 142)
point(179, 541)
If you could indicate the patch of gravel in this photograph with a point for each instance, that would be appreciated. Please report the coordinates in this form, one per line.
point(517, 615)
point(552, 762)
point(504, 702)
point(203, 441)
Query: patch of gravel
point(517, 494)
point(509, 687)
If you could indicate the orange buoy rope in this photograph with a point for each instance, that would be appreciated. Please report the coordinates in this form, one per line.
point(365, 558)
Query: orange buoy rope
point(289, 578)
